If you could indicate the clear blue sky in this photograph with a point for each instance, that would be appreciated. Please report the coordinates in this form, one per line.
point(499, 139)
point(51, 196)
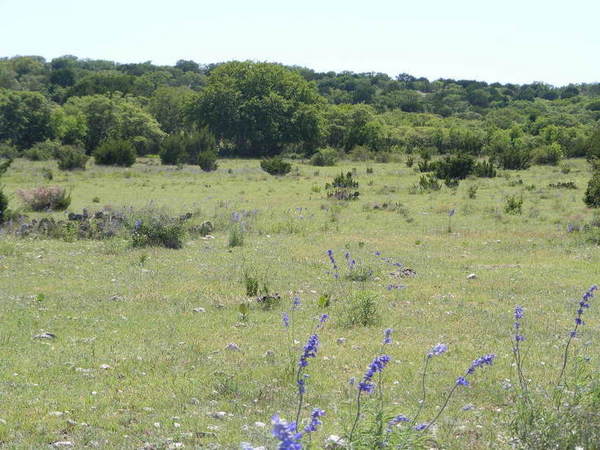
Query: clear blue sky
point(509, 41)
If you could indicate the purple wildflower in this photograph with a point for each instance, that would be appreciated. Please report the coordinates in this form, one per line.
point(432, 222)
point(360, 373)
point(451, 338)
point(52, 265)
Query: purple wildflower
point(310, 350)
point(378, 253)
point(377, 365)
point(296, 302)
point(332, 259)
point(518, 317)
point(584, 303)
point(324, 318)
point(389, 287)
point(314, 420)
point(421, 426)
point(462, 381)
point(387, 336)
point(480, 362)
point(286, 433)
point(286, 319)
point(437, 350)
point(396, 420)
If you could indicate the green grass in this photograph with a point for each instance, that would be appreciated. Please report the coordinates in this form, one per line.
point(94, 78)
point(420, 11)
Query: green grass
point(107, 303)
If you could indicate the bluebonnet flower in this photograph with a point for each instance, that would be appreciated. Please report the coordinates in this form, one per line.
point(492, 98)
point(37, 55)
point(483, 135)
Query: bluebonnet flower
point(332, 259)
point(480, 362)
point(324, 318)
point(286, 433)
point(437, 350)
point(296, 302)
point(301, 385)
point(314, 420)
point(377, 365)
point(310, 350)
point(286, 319)
point(378, 253)
point(518, 317)
point(462, 381)
point(584, 303)
point(389, 287)
point(387, 336)
point(399, 418)
point(421, 426)
point(138, 224)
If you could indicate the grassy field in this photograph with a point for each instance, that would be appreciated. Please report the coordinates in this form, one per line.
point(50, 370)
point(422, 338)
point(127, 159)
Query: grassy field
point(133, 364)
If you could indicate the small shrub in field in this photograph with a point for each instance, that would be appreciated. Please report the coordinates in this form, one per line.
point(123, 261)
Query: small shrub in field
point(361, 309)
point(428, 183)
point(72, 158)
point(45, 198)
point(207, 160)
point(513, 205)
point(456, 167)
point(158, 232)
point(592, 193)
point(324, 157)
point(360, 153)
point(115, 152)
point(275, 166)
point(410, 161)
point(343, 187)
point(251, 283)
point(47, 173)
point(43, 151)
point(472, 191)
point(236, 236)
point(484, 169)
point(563, 185)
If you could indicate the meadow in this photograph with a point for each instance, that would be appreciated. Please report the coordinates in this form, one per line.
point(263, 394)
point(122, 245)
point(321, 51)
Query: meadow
point(142, 355)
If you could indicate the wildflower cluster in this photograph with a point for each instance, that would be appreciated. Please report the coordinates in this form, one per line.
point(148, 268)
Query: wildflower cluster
point(584, 303)
point(486, 360)
point(518, 317)
point(310, 350)
point(377, 365)
point(437, 350)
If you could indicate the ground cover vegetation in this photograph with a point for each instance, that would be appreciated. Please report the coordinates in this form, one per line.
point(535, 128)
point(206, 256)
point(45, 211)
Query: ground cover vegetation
point(396, 263)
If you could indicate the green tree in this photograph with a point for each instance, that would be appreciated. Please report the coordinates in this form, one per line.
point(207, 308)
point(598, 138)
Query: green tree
point(168, 104)
point(259, 107)
point(25, 118)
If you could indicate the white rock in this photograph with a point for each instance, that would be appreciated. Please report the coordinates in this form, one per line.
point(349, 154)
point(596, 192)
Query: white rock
point(233, 347)
point(105, 366)
point(341, 341)
point(56, 413)
point(260, 424)
point(471, 276)
point(175, 445)
point(219, 415)
point(63, 444)
point(335, 441)
point(199, 310)
point(45, 336)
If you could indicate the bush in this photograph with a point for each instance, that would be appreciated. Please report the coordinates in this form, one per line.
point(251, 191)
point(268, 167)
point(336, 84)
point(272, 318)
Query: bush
point(324, 157)
point(45, 198)
point(43, 151)
point(456, 167)
point(275, 166)
point(71, 158)
point(428, 183)
point(115, 152)
point(207, 160)
point(360, 153)
point(592, 193)
point(548, 154)
point(158, 231)
point(8, 151)
point(513, 205)
point(484, 169)
point(186, 148)
point(343, 187)
point(514, 159)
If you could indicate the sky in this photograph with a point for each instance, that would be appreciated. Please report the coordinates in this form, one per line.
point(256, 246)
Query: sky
point(517, 41)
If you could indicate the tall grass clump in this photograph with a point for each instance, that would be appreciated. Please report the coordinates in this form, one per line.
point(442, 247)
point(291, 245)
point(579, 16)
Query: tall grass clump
point(45, 198)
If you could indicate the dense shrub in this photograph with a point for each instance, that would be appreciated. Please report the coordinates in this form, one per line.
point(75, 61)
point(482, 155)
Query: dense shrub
point(115, 152)
point(207, 160)
point(324, 157)
point(7, 150)
point(484, 169)
point(45, 198)
point(428, 183)
point(343, 187)
point(548, 154)
point(43, 151)
point(515, 159)
point(513, 205)
point(592, 193)
point(456, 167)
point(361, 309)
point(71, 158)
point(186, 148)
point(158, 231)
point(275, 166)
